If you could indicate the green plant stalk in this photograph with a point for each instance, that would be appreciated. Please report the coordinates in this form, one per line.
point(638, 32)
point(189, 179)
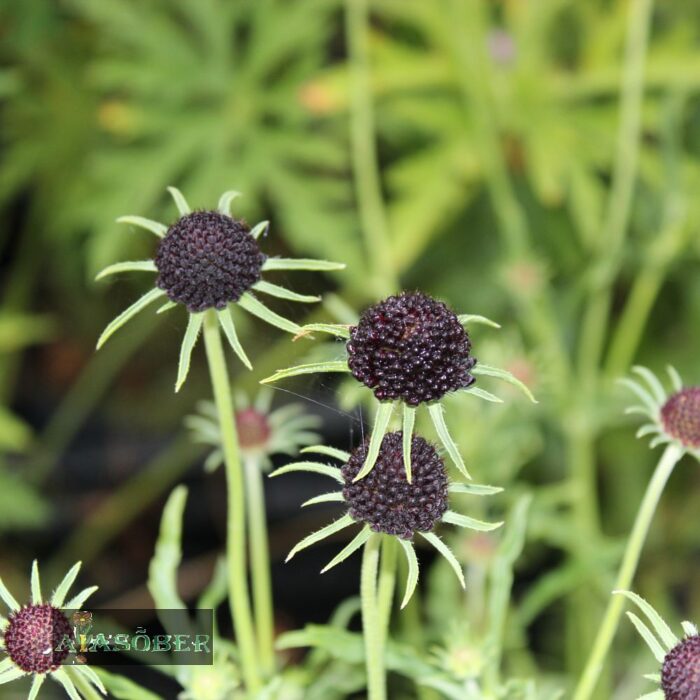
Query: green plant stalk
point(260, 566)
point(387, 584)
point(628, 568)
point(236, 518)
point(371, 623)
point(364, 152)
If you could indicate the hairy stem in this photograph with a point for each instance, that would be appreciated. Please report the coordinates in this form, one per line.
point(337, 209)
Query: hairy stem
point(628, 568)
point(236, 518)
point(371, 623)
point(260, 566)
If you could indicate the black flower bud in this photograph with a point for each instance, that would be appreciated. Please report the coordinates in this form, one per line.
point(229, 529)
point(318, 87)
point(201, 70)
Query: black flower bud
point(681, 417)
point(385, 500)
point(36, 637)
point(680, 674)
point(410, 347)
point(207, 260)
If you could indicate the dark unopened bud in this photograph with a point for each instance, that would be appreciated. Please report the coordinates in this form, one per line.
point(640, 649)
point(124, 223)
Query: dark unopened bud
point(36, 638)
point(410, 347)
point(385, 500)
point(253, 429)
point(681, 417)
point(207, 260)
point(680, 674)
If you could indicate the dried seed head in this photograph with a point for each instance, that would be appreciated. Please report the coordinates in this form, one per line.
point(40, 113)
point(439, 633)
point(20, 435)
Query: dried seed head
point(207, 260)
point(253, 429)
point(33, 638)
point(385, 500)
point(410, 347)
point(681, 417)
point(680, 674)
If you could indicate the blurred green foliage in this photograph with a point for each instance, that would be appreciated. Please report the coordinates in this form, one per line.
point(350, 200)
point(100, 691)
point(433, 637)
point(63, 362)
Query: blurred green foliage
point(537, 162)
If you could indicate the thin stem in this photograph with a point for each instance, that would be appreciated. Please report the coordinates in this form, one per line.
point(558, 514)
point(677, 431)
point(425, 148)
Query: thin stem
point(387, 583)
point(260, 566)
point(371, 625)
point(364, 152)
point(607, 629)
point(236, 518)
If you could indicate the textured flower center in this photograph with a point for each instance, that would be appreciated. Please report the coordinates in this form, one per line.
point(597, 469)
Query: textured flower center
point(34, 637)
point(253, 429)
point(410, 347)
point(681, 416)
point(680, 674)
point(207, 260)
point(385, 500)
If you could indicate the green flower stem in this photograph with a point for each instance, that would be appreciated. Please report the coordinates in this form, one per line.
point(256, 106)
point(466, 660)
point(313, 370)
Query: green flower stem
point(387, 583)
point(371, 623)
point(364, 152)
point(236, 519)
point(260, 566)
point(607, 629)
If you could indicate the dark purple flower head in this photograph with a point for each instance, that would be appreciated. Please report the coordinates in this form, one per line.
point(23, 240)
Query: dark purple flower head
point(410, 347)
point(680, 416)
point(680, 674)
point(33, 636)
point(206, 260)
point(385, 500)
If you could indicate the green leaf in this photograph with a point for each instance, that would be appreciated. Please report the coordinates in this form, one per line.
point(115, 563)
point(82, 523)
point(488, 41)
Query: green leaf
point(180, 202)
point(321, 534)
point(148, 224)
point(259, 229)
point(662, 629)
point(229, 328)
point(77, 601)
point(301, 264)
point(189, 340)
point(335, 366)
point(465, 319)
point(312, 467)
point(475, 489)
point(412, 577)
point(257, 308)
point(62, 589)
point(162, 571)
point(651, 641)
point(15, 434)
point(381, 423)
point(676, 380)
point(133, 266)
point(470, 523)
point(360, 538)
point(409, 419)
point(35, 584)
point(128, 314)
point(122, 688)
point(224, 206)
point(342, 455)
point(446, 552)
point(36, 686)
point(438, 418)
point(505, 376)
point(652, 381)
point(282, 293)
point(483, 394)
point(332, 497)
point(337, 329)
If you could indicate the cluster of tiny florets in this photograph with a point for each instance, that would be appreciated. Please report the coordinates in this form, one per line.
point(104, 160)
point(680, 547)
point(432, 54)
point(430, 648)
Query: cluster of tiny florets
point(33, 638)
point(385, 500)
point(206, 260)
point(680, 674)
point(681, 416)
point(410, 347)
